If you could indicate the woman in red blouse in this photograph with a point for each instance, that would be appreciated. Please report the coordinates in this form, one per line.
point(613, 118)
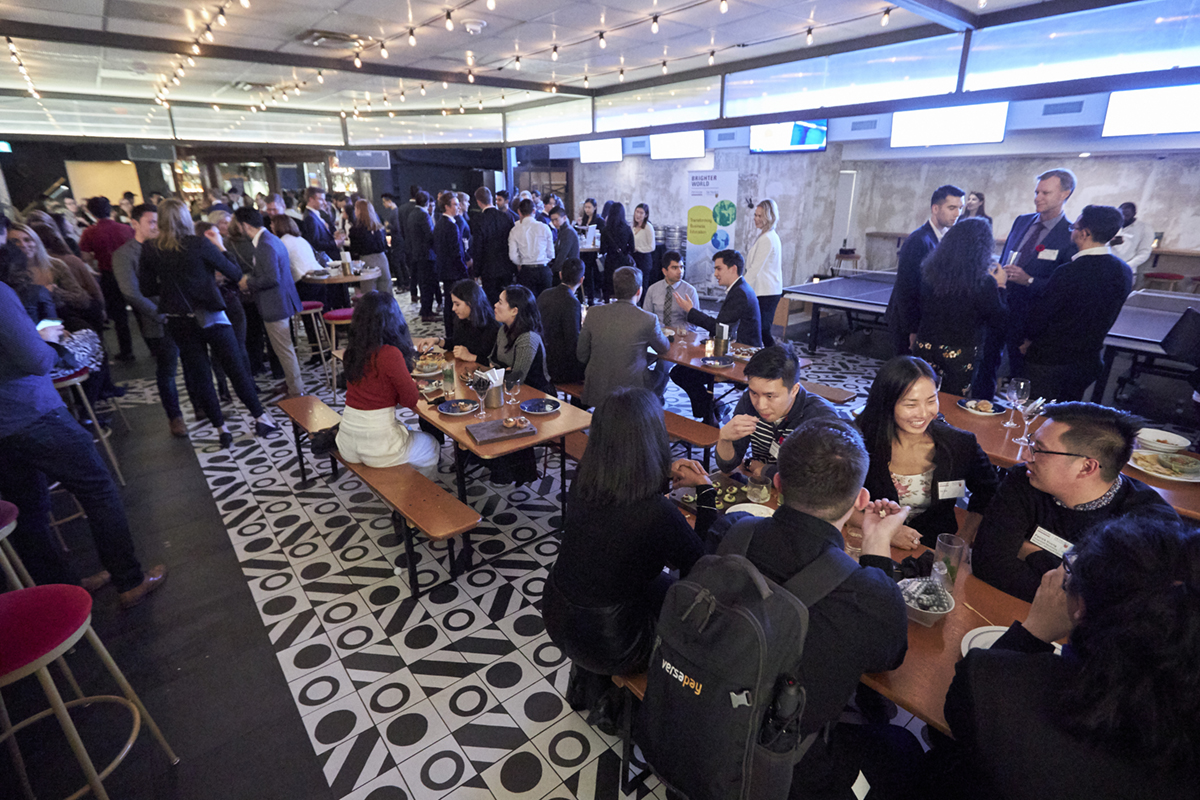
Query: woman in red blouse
point(378, 361)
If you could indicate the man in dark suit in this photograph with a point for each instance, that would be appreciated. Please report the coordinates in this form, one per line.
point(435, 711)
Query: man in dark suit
point(562, 318)
point(1037, 245)
point(315, 229)
point(506, 207)
point(904, 307)
point(270, 279)
point(613, 342)
point(451, 263)
point(566, 242)
point(489, 246)
point(418, 238)
point(739, 312)
point(1062, 346)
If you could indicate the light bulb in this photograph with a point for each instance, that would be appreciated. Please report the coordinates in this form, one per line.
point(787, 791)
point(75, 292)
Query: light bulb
point(245, 3)
point(285, 97)
point(654, 24)
point(517, 63)
point(712, 57)
point(221, 18)
point(296, 91)
point(412, 38)
point(586, 83)
point(664, 68)
point(208, 34)
point(383, 51)
point(216, 107)
point(196, 47)
point(391, 113)
point(461, 110)
point(175, 80)
point(554, 53)
point(481, 104)
point(403, 99)
point(470, 76)
point(809, 37)
point(887, 12)
point(179, 71)
point(491, 4)
point(357, 60)
point(343, 113)
point(449, 22)
point(422, 90)
point(982, 4)
point(254, 109)
point(621, 75)
point(445, 85)
point(320, 76)
point(554, 89)
point(603, 44)
point(191, 61)
point(470, 59)
point(724, 6)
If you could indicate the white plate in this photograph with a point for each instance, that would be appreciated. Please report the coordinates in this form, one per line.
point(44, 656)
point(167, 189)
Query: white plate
point(985, 637)
point(753, 509)
point(997, 408)
point(437, 373)
point(1171, 477)
point(1149, 439)
point(668, 331)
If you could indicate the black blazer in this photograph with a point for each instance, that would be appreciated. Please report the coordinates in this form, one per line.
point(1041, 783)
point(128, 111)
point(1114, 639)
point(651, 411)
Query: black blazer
point(364, 242)
point(562, 317)
point(1094, 284)
point(418, 235)
point(904, 306)
point(183, 279)
point(565, 246)
point(956, 456)
point(616, 244)
point(317, 232)
point(489, 244)
point(450, 258)
point(740, 312)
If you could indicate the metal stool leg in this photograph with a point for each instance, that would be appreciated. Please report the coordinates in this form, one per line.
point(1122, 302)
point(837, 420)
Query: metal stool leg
point(130, 694)
point(112, 457)
point(68, 727)
point(15, 751)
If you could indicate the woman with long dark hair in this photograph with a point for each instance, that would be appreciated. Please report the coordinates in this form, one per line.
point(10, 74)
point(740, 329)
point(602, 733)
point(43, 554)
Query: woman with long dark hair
point(920, 460)
point(616, 245)
point(962, 294)
point(607, 586)
point(368, 243)
point(378, 362)
point(57, 247)
point(71, 300)
point(591, 216)
point(1117, 714)
point(518, 346)
point(473, 333)
point(643, 244)
point(178, 267)
point(975, 207)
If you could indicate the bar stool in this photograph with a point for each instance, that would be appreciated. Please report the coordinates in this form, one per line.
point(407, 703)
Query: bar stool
point(1166, 281)
point(38, 626)
point(1195, 281)
point(76, 380)
point(314, 309)
point(335, 318)
point(56, 488)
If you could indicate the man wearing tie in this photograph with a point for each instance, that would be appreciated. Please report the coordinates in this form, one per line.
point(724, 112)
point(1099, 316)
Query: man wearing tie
point(315, 229)
point(270, 279)
point(660, 297)
point(1038, 244)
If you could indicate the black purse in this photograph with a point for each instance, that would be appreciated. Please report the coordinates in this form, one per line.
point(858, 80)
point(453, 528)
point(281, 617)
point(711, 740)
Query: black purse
point(324, 442)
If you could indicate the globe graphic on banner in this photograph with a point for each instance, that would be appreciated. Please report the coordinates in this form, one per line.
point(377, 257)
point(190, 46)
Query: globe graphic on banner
point(724, 213)
point(720, 240)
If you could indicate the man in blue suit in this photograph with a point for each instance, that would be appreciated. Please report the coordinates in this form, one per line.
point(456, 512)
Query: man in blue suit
point(904, 306)
point(1038, 244)
point(314, 227)
point(270, 280)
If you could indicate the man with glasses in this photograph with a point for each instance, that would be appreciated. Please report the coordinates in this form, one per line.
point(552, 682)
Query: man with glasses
point(1070, 481)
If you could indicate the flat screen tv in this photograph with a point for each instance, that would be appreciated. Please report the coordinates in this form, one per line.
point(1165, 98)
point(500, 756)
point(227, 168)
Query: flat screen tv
point(789, 137)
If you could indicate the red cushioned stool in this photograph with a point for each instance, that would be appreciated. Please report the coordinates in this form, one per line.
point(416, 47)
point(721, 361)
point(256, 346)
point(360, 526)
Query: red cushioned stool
point(1167, 281)
point(37, 626)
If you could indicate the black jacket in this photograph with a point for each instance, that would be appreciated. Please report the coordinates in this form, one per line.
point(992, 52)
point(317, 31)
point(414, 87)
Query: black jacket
point(904, 306)
point(316, 231)
point(956, 456)
point(739, 311)
point(450, 257)
point(805, 407)
point(566, 246)
point(562, 317)
point(1059, 333)
point(616, 245)
point(183, 279)
point(489, 245)
point(418, 235)
point(364, 242)
point(1057, 240)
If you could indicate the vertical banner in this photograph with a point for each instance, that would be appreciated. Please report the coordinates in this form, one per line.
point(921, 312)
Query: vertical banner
point(712, 212)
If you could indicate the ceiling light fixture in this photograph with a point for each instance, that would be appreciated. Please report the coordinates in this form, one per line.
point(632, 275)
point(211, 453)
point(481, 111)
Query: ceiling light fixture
point(208, 34)
point(491, 5)
point(391, 114)
point(470, 59)
point(724, 6)
point(809, 37)
point(664, 68)
point(412, 38)
point(887, 17)
point(216, 107)
point(449, 22)
point(343, 113)
point(245, 3)
point(296, 90)
point(196, 47)
point(481, 104)
point(403, 99)
point(554, 88)
point(621, 75)
point(603, 44)
point(461, 109)
point(517, 63)
point(422, 90)
point(586, 83)
point(445, 85)
point(654, 24)
point(191, 61)
point(383, 51)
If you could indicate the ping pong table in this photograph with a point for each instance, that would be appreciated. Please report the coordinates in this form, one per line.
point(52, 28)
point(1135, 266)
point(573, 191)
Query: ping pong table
point(865, 294)
point(1152, 325)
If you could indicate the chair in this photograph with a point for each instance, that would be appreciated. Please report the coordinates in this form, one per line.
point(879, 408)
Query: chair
point(316, 309)
point(75, 380)
point(1165, 281)
point(56, 523)
point(38, 626)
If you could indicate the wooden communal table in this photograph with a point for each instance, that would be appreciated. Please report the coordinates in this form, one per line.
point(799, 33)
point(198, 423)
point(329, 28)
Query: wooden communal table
point(369, 274)
point(997, 442)
point(919, 685)
point(550, 427)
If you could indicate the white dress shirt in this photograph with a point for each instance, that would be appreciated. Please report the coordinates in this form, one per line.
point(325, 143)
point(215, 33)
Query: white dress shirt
point(530, 243)
point(643, 239)
point(300, 255)
point(1134, 250)
point(764, 265)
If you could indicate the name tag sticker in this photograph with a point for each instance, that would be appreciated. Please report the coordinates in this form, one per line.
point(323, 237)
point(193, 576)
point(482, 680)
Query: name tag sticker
point(1049, 255)
point(1049, 542)
point(948, 489)
point(775, 450)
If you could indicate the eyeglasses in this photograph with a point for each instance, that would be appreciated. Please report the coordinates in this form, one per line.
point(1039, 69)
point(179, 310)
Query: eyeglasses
point(1036, 451)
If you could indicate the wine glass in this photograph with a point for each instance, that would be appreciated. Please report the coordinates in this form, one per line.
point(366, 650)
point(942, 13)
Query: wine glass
point(1016, 392)
point(512, 386)
point(480, 387)
point(1029, 413)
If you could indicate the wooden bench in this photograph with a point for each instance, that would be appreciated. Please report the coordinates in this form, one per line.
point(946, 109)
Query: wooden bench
point(417, 502)
point(309, 415)
point(635, 686)
point(692, 433)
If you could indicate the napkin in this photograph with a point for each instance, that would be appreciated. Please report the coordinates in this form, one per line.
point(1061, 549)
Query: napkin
point(494, 377)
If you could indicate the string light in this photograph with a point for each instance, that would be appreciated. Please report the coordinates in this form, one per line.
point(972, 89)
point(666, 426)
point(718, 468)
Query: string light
point(383, 51)
point(481, 104)
point(391, 113)
point(982, 4)
point(554, 88)
point(554, 51)
point(586, 83)
point(449, 22)
point(412, 37)
point(191, 61)
point(712, 57)
point(654, 24)
point(320, 76)
point(208, 34)
point(196, 47)
point(491, 5)
point(216, 107)
point(461, 108)
point(358, 60)
point(422, 90)
point(470, 59)
point(343, 113)
point(445, 85)
point(175, 80)
point(724, 6)
point(809, 37)
point(603, 44)
point(887, 14)
point(221, 18)
point(470, 76)
point(245, 3)
point(621, 75)
point(403, 99)
point(664, 68)
point(517, 63)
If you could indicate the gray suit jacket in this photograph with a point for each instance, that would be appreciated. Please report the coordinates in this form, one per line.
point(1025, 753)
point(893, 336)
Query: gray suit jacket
point(613, 345)
point(125, 269)
point(565, 246)
point(271, 279)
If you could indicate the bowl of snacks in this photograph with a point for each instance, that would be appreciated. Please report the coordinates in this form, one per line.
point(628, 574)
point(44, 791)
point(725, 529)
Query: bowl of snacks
point(1180, 463)
point(428, 364)
point(1160, 441)
point(926, 599)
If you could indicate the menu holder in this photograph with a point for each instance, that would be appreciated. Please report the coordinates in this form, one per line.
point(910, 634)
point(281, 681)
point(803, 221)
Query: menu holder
point(494, 431)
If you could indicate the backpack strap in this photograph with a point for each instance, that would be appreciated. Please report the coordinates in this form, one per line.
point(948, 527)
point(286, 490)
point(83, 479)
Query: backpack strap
point(822, 576)
point(736, 541)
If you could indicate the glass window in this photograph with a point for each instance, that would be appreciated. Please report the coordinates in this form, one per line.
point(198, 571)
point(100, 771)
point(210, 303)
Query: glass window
point(241, 125)
point(909, 69)
point(1137, 37)
point(569, 118)
point(433, 129)
point(118, 120)
point(690, 101)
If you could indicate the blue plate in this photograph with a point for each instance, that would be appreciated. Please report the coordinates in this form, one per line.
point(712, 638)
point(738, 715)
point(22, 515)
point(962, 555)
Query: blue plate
point(539, 406)
point(456, 408)
point(717, 361)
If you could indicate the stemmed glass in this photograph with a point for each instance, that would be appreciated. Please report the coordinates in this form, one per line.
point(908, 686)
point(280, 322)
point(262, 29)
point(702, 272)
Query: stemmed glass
point(512, 387)
point(480, 387)
point(1016, 392)
point(1029, 413)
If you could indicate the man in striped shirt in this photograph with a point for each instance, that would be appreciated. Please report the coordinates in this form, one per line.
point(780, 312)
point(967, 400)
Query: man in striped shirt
point(774, 405)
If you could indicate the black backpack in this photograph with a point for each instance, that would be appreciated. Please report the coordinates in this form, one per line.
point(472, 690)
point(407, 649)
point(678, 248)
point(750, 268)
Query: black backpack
point(724, 695)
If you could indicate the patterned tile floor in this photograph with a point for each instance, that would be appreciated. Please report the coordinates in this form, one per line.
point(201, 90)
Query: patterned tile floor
point(459, 693)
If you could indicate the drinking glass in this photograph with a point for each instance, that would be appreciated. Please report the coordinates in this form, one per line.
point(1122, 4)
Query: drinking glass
point(512, 388)
point(480, 387)
point(950, 551)
point(853, 537)
point(758, 490)
point(1016, 392)
point(1028, 415)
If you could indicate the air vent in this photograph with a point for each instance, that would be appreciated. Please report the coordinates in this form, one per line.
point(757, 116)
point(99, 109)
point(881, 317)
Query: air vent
point(1072, 107)
point(143, 12)
point(330, 40)
point(727, 137)
point(638, 144)
point(245, 86)
point(864, 125)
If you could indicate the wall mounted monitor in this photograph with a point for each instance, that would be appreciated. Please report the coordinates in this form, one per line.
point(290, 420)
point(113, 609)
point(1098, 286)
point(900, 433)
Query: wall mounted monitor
point(685, 144)
point(600, 151)
point(927, 127)
point(789, 137)
point(1168, 109)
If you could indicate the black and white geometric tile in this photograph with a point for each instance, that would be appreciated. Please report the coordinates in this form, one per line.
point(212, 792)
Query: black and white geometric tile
point(458, 693)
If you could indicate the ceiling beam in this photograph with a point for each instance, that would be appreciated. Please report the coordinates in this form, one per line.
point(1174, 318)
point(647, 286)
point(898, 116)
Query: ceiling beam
point(941, 12)
point(153, 44)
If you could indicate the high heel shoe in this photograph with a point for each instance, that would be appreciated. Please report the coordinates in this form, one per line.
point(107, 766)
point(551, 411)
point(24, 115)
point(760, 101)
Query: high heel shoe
point(262, 429)
point(225, 438)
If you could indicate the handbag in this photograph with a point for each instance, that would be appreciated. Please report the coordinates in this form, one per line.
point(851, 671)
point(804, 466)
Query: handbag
point(324, 441)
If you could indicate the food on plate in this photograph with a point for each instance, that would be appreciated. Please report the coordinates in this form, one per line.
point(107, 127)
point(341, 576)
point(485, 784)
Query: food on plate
point(720, 505)
point(688, 498)
point(985, 406)
point(430, 362)
point(510, 422)
point(1175, 467)
point(1180, 463)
